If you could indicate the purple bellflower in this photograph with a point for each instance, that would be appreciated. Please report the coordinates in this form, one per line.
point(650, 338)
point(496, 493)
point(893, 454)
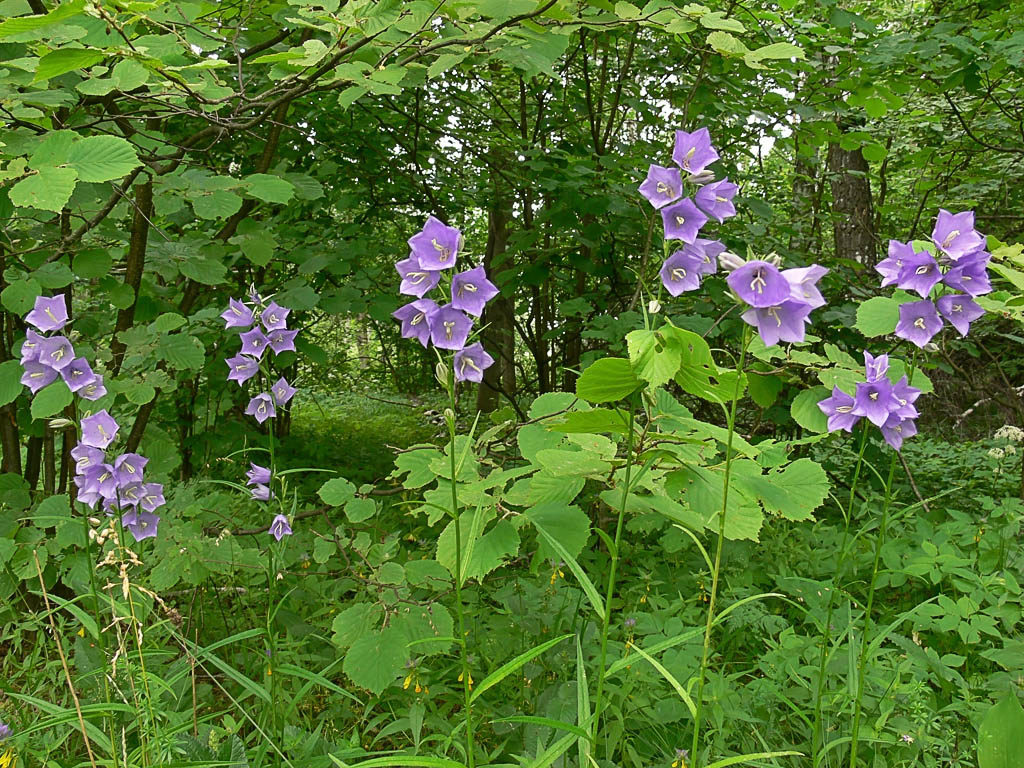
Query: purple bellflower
point(471, 290)
point(254, 343)
point(839, 409)
point(99, 430)
point(436, 246)
point(280, 528)
point(785, 321)
point(261, 407)
point(5, 731)
point(708, 251)
point(906, 396)
point(415, 318)
point(37, 375)
point(257, 475)
point(30, 347)
point(693, 151)
point(142, 525)
point(94, 390)
point(49, 313)
point(889, 268)
point(237, 315)
point(449, 328)
point(56, 352)
point(875, 400)
point(260, 492)
point(275, 317)
point(970, 274)
point(130, 494)
point(896, 429)
point(681, 272)
point(152, 496)
point(919, 322)
point(662, 186)
point(282, 340)
point(86, 456)
point(683, 221)
point(128, 468)
point(959, 310)
point(954, 234)
point(716, 200)
point(88, 492)
point(242, 368)
point(803, 283)
point(471, 362)
point(875, 367)
point(416, 281)
point(760, 284)
point(282, 391)
point(920, 272)
point(78, 374)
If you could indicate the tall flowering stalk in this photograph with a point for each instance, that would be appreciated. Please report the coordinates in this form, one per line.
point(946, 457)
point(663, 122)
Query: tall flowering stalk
point(434, 251)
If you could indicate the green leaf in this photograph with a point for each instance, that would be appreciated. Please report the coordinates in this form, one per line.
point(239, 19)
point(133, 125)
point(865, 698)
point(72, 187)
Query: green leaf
point(567, 523)
point(1001, 735)
point(216, 204)
point(593, 422)
point(358, 510)
point(376, 659)
point(203, 270)
point(63, 60)
point(876, 153)
point(25, 24)
point(443, 63)
point(354, 622)
point(581, 576)
point(412, 761)
point(49, 189)
point(763, 389)
point(94, 262)
point(182, 351)
point(337, 491)
point(518, 662)
point(718, 20)
point(53, 275)
point(102, 158)
point(569, 463)
point(10, 381)
point(794, 493)
point(805, 410)
point(53, 149)
point(269, 189)
point(606, 380)
point(168, 321)
point(773, 51)
point(877, 316)
point(482, 554)
point(128, 75)
point(726, 44)
point(51, 400)
point(655, 356)
point(20, 296)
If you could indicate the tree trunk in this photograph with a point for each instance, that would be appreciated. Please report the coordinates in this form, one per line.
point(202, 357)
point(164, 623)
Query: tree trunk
point(853, 226)
point(499, 334)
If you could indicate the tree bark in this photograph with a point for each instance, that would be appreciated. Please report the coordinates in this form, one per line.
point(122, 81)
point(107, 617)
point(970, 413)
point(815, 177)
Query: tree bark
point(853, 221)
point(135, 263)
point(499, 333)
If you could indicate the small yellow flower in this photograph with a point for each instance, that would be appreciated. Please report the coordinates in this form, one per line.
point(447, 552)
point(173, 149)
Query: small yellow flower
point(8, 759)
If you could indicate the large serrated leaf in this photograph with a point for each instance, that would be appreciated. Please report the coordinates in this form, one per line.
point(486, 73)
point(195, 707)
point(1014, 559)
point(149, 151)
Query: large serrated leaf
point(102, 158)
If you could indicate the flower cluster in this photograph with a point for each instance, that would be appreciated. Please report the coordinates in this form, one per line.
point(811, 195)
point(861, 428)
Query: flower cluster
point(435, 249)
point(957, 271)
point(262, 325)
point(44, 358)
point(258, 478)
point(888, 406)
point(683, 217)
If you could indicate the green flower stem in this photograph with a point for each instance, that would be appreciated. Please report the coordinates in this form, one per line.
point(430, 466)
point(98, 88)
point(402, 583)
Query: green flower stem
point(840, 566)
point(466, 684)
point(695, 756)
point(612, 571)
point(879, 543)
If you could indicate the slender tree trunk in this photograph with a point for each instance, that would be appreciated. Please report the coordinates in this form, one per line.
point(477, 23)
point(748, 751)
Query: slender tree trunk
point(499, 336)
point(135, 263)
point(805, 210)
point(853, 221)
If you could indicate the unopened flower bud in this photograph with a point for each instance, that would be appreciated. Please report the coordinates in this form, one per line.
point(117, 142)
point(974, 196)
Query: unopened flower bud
point(60, 423)
point(703, 177)
point(654, 306)
point(449, 417)
point(441, 372)
point(729, 261)
point(774, 259)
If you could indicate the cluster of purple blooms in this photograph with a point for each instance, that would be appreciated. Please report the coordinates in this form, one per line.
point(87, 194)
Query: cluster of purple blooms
point(780, 300)
point(435, 249)
point(44, 358)
point(888, 406)
point(958, 273)
point(683, 217)
point(120, 483)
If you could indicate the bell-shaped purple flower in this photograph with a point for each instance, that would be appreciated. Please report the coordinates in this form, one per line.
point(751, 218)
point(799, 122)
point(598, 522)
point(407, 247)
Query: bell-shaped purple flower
point(86, 456)
point(803, 284)
point(282, 391)
point(128, 468)
point(681, 272)
point(242, 368)
point(49, 313)
point(152, 496)
point(896, 429)
point(78, 374)
point(141, 524)
point(99, 430)
point(471, 362)
point(693, 151)
point(839, 409)
point(683, 221)
point(970, 274)
point(254, 343)
point(759, 284)
point(471, 290)
point(662, 186)
point(261, 407)
point(415, 318)
point(889, 268)
point(449, 328)
point(237, 315)
point(94, 390)
point(280, 528)
point(875, 400)
point(37, 375)
point(785, 321)
point(56, 352)
point(906, 396)
point(416, 281)
point(257, 475)
point(436, 246)
point(959, 310)
point(716, 200)
point(875, 367)
point(88, 490)
point(919, 322)
point(920, 272)
point(954, 234)
point(275, 317)
point(103, 480)
point(130, 494)
point(282, 340)
point(260, 492)
point(30, 347)
point(708, 251)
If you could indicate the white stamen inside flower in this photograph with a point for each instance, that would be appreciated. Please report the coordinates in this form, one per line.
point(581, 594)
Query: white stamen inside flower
point(721, 199)
point(873, 396)
point(958, 307)
point(919, 323)
point(417, 319)
point(149, 499)
point(758, 283)
point(466, 287)
point(444, 253)
point(101, 430)
point(58, 354)
point(844, 408)
point(688, 157)
point(35, 375)
point(416, 277)
point(950, 238)
point(666, 189)
point(237, 311)
point(922, 270)
point(261, 408)
point(273, 319)
point(50, 315)
point(680, 221)
point(449, 328)
point(774, 312)
point(678, 274)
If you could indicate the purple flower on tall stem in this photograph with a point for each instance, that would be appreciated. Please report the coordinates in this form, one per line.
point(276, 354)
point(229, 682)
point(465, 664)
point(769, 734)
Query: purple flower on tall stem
point(130, 494)
point(56, 352)
point(759, 284)
point(86, 456)
point(906, 396)
point(260, 492)
point(896, 429)
point(280, 528)
point(436, 246)
point(683, 221)
point(889, 268)
point(920, 272)
point(128, 467)
point(49, 313)
point(237, 315)
point(415, 318)
point(99, 430)
point(693, 151)
point(88, 493)
point(716, 200)
point(919, 322)
point(449, 328)
point(662, 186)
point(37, 375)
point(152, 496)
point(282, 391)
point(257, 475)
point(242, 368)
point(970, 274)
point(78, 374)
point(471, 290)
point(954, 234)
point(875, 367)
point(785, 321)
point(959, 310)
point(94, 390)
point(681, 272)
point(141, 524)
point(254, 343)
point(282, 340)
point(471, 362)
point(839, 409)
point(875, 400)
point(803, 283)
point(416, 281)
point(30, 347)
point(103, 480)
point(275, 317)
point(708, 251)
point(261, 407)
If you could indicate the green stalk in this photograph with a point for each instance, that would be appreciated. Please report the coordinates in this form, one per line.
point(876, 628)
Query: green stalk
point(466, 685)
point(699, 703)
point(612, 571)
point(826, 635)
point(879, 542)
